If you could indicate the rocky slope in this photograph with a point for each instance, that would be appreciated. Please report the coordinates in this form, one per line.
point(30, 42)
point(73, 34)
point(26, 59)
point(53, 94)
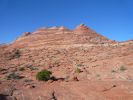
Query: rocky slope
point(105, 66)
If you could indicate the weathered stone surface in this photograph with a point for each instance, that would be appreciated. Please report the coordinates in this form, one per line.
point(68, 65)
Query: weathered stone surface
point(106, 66)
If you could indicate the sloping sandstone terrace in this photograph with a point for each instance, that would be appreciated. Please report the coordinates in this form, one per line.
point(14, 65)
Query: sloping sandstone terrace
point(85, 66)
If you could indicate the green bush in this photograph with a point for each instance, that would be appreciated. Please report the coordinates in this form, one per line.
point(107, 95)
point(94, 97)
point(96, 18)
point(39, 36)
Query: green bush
point(43, 75)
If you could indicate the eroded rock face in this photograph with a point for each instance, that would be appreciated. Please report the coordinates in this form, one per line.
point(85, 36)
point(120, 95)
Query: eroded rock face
point(60, 36)
point(84, 65)
point(82, 27)
point(26, 34)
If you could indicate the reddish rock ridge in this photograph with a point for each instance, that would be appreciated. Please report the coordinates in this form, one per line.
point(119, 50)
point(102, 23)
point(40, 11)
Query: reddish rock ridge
point(83, 27)
point(61, 36)
point(84, 65)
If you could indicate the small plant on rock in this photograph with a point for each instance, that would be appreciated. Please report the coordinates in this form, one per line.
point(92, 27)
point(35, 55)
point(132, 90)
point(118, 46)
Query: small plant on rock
point(14, 54)
point(78, 70)
point(113, 71)
point(21, 69)
point(12, 76)
point(31, 67)
point(43, 75)
point(27, 80)
point(122, 68)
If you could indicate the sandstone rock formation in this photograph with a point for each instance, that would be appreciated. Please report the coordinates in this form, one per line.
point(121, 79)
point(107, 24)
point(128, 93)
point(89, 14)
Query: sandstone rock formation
point(84, 64)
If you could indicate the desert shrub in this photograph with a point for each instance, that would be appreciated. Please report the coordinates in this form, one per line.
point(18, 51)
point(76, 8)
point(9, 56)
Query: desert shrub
point(2, 69)
point(14, 54)
point(66, 78)
point(122, 68)
point(43, 75)
point(31, 67)
point(27, 80)
point(80, 65)
point(113, 71)
point(21, 69)
point(97, 75)
point(12, 76)
point(78, 70)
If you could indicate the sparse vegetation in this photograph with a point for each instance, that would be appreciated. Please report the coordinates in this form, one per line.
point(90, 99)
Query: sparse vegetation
point(122, 68)
point(113, 71)
point(43, 75)
point(2, 69)
point(78, 70)
point(97, 75)
point(27, 80)
point(67, 78)
point(12, 76)
point(31, 67)
point(21, 69)
point(80, 65)
point(14, 54)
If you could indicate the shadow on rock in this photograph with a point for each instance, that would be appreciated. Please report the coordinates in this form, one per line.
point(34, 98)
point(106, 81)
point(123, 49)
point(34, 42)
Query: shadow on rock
point(3, 97)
